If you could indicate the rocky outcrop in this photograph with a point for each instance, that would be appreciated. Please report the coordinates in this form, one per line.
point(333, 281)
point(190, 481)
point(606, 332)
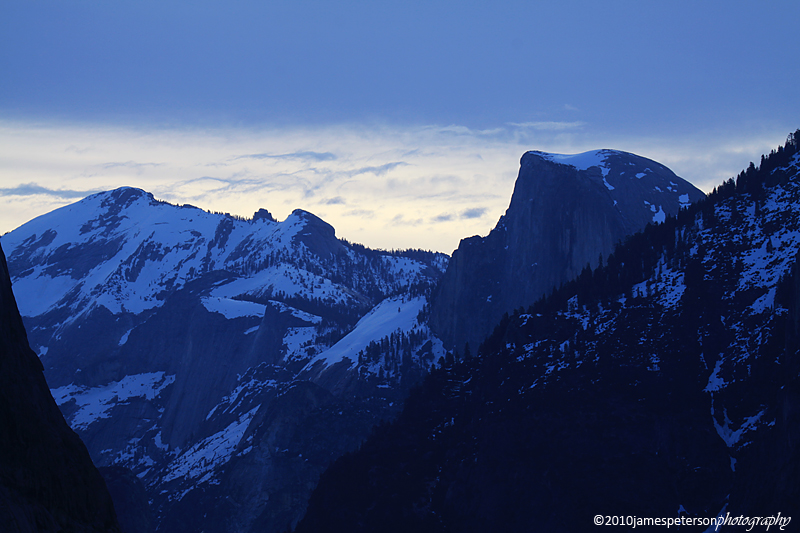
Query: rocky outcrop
point(318, 235)
point(566, 211)
point(47, 480)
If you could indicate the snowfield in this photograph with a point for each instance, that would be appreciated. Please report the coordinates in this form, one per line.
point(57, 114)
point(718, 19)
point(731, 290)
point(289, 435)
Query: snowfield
point(96, 402)
point(387, 317)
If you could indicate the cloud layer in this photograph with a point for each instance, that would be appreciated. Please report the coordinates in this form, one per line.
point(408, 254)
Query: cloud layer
point(32, 189)
point(387, 187)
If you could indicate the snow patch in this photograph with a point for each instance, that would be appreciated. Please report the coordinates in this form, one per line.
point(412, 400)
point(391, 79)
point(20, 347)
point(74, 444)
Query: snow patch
point(160, 445)
point(764, 302)
point(199, 461)
point(124, 337)
point(583, 161)
point(297, 313)
point(286, 279)
point(715, 382)
point(297, 340)
point(39, 292)
point(728, 434)
point(230, 308)
point(95, 403)
point(660, 216)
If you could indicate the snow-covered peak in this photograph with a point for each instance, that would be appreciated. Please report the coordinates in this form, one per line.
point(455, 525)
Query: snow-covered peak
point(123, 249)
point(582, 161)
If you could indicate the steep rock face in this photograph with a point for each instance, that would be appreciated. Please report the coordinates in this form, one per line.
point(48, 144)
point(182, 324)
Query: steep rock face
point(565, 212)
point(47, 480)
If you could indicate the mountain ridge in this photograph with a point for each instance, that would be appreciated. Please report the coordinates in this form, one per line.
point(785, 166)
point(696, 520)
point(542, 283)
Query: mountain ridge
point(167, 333)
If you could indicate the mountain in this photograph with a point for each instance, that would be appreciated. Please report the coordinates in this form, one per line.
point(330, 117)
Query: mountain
point(225, 361)
point(566, 212)
point(665, 383)
point(47, 480)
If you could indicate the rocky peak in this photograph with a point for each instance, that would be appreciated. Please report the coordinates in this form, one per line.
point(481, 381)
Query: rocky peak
point(263, 214)
point(642, 190)
point(566, 211)
point(318, 236)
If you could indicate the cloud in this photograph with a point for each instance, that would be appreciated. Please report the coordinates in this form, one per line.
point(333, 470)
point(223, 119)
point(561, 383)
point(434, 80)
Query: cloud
point(361, 213)
point(32, 189)
point(379, 170)
point(75, 149)
point(455, 129)
point(337, 200)
point(131, 164)
point(548, 125)
point(473, 212)
point(401, 220)
point(362, 176)
point(205, 184)
point(446, 179)
point(303, 156)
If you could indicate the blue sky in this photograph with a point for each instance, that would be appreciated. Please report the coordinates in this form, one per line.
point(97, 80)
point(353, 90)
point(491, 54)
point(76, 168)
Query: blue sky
point(400, 123)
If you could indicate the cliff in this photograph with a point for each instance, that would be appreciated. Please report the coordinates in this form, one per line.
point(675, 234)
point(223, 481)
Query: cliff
point(565, 212)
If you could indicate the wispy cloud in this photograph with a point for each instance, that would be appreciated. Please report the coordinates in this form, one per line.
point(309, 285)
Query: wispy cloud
point(474, 212)
point(337, 200)
point(381, 170)
point(302, 156)
point(130, 164)
point(455, 129)
point(361, 213)
point(76, 149)
point(33, 189)
point(401, 220)
point(444, 217)
point(548, 125)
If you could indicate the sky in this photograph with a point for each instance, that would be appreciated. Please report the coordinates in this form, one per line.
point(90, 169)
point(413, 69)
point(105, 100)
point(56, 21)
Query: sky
point(400, 123)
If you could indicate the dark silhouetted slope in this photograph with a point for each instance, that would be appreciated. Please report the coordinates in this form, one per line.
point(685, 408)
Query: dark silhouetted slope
point(47, 480)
